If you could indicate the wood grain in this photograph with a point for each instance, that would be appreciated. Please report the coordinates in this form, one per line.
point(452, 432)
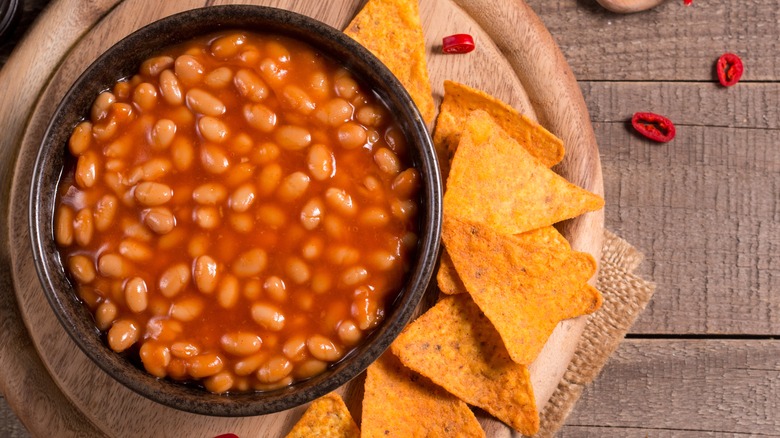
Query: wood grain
point(704, 210)
point(669, 42)
point(750, 105)
point(692, 388)
point(643, 432)
point(10, 426)
point(697, 387)
point(564, 109)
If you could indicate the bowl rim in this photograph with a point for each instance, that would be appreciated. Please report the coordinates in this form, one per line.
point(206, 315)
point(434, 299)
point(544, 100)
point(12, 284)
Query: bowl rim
point(207, 20)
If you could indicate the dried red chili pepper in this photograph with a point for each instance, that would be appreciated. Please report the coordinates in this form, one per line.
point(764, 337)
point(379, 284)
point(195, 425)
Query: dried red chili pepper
point(729, 68)
point(458, 43)
point(654, 126)
point(227, 435)
point(687, 2)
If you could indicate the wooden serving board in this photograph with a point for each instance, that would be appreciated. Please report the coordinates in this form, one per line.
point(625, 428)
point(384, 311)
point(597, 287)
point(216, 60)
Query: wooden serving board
point(52, 385)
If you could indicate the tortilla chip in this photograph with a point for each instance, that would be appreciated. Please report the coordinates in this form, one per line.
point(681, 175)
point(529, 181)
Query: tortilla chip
point(539, 243)
point(401, 403)
point(525, 284)
point(523, 195)
point(326, 417)
point(456, 346)
point(447, 278)
point(391, 30)
point(460, 100)
point(587, 300)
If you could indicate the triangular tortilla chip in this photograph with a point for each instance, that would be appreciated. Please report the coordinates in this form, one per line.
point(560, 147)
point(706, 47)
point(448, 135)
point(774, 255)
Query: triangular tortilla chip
point(456, 346)
point(447, 278)
point(523, 287)
point(496, 182)
point(585, 301)
point(391, 30)
point(540, 244)
point(401, 403)
point(326, 417)
point(460, 100)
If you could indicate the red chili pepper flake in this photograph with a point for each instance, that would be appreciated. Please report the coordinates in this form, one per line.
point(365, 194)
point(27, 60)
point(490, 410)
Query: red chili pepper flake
point(730, 69)
point(687, 2)
point(227, 435)
point(458, 43)
point(654, 126)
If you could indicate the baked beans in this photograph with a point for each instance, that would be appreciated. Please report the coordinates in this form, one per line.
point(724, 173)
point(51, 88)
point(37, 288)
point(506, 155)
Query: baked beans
point(238, 213)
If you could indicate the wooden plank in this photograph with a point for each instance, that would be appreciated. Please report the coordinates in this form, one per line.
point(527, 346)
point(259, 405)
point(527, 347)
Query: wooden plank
point(669, 42)
point(643, 432)
point(10, 426)
point(683, 388)
point(669, 194)
point(658, 370)
point(748, 105)
point(704, 210)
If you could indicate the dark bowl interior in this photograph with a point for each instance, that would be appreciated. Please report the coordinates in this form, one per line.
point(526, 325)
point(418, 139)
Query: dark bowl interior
point(124, 59)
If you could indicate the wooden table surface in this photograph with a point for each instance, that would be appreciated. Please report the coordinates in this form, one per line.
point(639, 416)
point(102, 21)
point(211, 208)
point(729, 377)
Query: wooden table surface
point(704, 358)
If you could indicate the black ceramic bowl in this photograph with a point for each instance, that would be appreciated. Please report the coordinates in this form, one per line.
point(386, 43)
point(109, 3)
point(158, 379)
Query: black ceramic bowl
point(124, 59)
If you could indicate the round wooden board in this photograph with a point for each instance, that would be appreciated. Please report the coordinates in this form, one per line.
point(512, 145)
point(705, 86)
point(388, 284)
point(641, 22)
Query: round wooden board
point(52, 385)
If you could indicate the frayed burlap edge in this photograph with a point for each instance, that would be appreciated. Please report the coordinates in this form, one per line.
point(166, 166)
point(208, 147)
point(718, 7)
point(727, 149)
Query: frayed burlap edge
point(625, 297)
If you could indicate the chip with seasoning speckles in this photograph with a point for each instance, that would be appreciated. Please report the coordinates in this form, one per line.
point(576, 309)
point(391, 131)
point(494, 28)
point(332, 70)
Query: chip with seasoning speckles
point(456, 346)
point(326, 417)
point(401, 403)
point(458, 103)
point(391, 30)
point(447, 277)
point(523, 194)
point(525, 284)
point(541, 248)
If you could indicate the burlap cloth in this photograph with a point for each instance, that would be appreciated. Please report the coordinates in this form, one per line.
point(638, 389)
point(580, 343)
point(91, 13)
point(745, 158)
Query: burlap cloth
point(625, 296)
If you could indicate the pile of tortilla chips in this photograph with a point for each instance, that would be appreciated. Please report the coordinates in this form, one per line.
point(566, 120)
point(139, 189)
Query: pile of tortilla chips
point(507, 277)
point(461, 100)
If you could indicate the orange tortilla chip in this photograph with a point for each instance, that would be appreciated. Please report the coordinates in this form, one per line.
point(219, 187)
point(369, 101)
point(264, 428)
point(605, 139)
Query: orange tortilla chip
point(587, 300)
point(447, 277)
point(460, 100)
point(326, 417)
point(523, 195)
point(391, 30)
point(538, 243)
point(400, 403)
point(525, 284)
point(456, 346)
